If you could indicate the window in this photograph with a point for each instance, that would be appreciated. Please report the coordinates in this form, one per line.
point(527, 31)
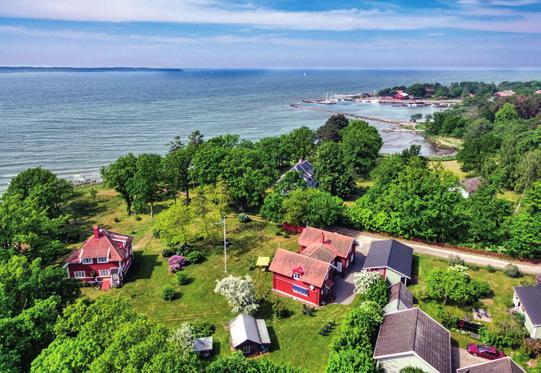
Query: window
point(79, 274)
point(246, 349)
point(87, 261)
point(300, 290)
point(296, 275)
point(102, 259)
point(105, 272)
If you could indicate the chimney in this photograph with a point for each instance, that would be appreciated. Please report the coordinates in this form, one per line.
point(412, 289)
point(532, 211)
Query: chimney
point(96, 230)
point(322, 237)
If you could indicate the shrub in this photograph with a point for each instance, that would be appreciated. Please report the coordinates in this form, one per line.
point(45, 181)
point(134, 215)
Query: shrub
point(117, 219)
point(280, 310)
point(176, 263)
point(195, 257)
point(203, 329)
point(378, 292)
point(239, 292)
point(491, 269)
point(448, 319)
point(412, 370)
point(168, 252)
point(364, 279)
point(503, 334)
point(473, 266)
point(456, 260)
point(156, 233)
point(138, 218)
point(512, 270)
point(169, 293)
point(243, 218)
point(532, 346)
point(182, 278)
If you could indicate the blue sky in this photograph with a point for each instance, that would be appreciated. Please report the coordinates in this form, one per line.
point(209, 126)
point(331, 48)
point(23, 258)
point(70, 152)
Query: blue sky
point(273, 34)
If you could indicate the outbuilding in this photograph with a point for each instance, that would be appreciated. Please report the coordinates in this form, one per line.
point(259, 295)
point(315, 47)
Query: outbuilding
point(527, 299)
point(400, 298)
point(392, 259)
point(249, 335)
point(503, 365)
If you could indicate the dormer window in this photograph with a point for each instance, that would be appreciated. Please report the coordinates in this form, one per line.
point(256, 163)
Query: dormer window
point(102, 259)
point(296, 276)
point(297, 272)
point(87, 261)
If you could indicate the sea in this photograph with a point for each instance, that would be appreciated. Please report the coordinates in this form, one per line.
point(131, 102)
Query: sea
point(74, 122)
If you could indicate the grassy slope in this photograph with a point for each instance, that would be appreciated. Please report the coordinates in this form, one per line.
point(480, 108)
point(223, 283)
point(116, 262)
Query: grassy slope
point(299, 333)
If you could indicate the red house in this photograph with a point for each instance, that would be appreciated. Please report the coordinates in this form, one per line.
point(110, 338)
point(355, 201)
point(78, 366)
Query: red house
point(333, 248)
point(104, 258)
point(400, 95)
point(302, 277)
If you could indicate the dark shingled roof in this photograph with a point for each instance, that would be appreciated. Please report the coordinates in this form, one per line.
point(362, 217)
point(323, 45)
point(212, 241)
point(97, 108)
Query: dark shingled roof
point(392, 254)
point(503, 365)
point(401, 292)
point(413, 330)
point(530, 297)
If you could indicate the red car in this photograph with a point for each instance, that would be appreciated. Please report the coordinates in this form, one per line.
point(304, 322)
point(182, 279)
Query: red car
point(485, 351)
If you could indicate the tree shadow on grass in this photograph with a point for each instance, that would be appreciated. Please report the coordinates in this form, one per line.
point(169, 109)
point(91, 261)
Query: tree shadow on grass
point(265, 309)
point(275, 345)
point(142, 266)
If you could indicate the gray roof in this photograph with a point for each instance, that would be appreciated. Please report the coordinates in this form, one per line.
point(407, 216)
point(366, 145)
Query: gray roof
point(246, 328)
point(413, 331)
point(392, 254)
point(401, 292)
point(503, 365)
point(530, 297)
point(203, 344)
point(306, 170)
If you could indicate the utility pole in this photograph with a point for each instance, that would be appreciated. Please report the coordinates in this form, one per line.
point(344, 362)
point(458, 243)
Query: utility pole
point(225, 247)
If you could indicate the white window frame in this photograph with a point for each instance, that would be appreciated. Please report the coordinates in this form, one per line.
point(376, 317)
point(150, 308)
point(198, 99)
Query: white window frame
point(296, 276)
point(247, 349)
point(295, 287)
point(87, 261)
point(102, 259)
point(107, 272)
point(77, 273)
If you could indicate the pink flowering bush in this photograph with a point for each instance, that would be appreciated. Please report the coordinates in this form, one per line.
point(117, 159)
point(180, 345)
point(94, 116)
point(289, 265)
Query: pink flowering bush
point(177, 262)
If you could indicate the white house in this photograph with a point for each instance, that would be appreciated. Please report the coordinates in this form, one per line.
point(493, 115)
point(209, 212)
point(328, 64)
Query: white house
point(528, 301)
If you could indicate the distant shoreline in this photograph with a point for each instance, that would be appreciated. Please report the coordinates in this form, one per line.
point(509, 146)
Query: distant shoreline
point(45, 69)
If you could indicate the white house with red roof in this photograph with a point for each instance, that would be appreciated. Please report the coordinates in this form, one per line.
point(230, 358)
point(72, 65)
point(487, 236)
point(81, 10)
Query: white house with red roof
point(104, 258)
point(334, 248)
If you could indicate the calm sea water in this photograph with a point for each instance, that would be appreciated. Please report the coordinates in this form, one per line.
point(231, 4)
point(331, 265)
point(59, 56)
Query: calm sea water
point(74, 123)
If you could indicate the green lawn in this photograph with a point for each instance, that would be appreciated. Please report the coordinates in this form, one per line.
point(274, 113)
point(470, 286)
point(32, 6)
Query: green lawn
point(296, 340)
point(497, 305)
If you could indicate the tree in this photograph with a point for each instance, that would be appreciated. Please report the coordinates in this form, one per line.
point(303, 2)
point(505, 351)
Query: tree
point(361, 144)
point(272, 208)
point(183, 338)
point(332, 171)
point(330, 131)
point(299, 143)
point(176, 171)
point(236, 362)
point(311, 207)
point(418, 116)
point(507, 113)
point(118, 176)
point(48, 191)
point(239, 292)
point(456, 285)
point(364, 279)
point(146, 184)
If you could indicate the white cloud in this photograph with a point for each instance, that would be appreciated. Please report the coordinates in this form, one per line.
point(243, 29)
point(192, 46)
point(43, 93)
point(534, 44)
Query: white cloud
point(218, 12)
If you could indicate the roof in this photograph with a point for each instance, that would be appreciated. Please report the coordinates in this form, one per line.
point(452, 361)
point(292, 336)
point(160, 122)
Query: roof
point(400, 292)
point(203, 344)
point(391, 254)
point(306, 170)
point(320, 251)
point(314, 271)
point(246, 328)
point(413, 331)
point(503, 365)
point(530, 297)
point(340, 243)
point(103, 243)
point(471, 184)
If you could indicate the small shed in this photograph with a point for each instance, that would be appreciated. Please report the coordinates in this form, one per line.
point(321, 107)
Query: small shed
point(400, 298)
point(249, 335)
point(263, 262)
point(392, 259)
point(203, 346)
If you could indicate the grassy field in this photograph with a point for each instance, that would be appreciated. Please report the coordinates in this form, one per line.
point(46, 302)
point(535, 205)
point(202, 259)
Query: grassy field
point(497, 305)
point(454, 167)
point(298, 333)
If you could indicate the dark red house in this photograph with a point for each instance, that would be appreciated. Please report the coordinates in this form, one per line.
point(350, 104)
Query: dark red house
point(104, 258)
point(302, 277)
point(330, 247)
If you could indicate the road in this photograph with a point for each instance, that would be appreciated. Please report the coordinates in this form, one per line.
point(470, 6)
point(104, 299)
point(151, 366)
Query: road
point(364, 238)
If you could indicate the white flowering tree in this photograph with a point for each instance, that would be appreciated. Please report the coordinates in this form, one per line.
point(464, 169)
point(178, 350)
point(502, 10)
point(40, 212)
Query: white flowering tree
point(240, 293)
point(183, 338)
point(364, 279)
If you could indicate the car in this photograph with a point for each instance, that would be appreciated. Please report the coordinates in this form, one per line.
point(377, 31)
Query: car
point(485, 351)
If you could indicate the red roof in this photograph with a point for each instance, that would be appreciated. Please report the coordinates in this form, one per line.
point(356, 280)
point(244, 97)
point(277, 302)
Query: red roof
point(314, 271)
point(313, 238)
point(103, 243)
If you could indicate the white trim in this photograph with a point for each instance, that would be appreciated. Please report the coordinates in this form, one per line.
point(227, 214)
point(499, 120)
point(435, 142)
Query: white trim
point(246, 349)
point(101, 261)
point(87, 261)
point(294, 297)
point(76, 272)
point(389, 268)
point(492, 361)
point(108, 273)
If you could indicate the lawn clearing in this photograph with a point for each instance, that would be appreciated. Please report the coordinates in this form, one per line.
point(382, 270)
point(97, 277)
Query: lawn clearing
point(296, 340)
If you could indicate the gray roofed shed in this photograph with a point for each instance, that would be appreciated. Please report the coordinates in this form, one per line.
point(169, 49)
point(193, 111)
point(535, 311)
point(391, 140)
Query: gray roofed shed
point(530, 297)
point(400, 292)
point(503, 365)
point(203, 344)
point(413, 331)
point(392, 254)
point(246, 328)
